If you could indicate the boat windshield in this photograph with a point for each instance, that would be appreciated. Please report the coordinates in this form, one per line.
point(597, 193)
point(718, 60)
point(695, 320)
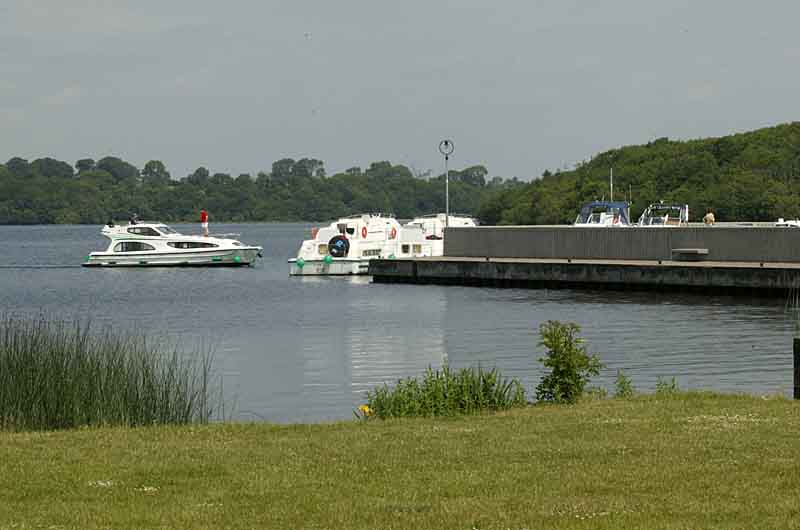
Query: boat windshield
point(662, 214)
point(164, 229)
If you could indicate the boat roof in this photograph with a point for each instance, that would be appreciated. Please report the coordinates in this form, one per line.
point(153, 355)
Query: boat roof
point(606, 204)
point(436, 215)
point(668, 205)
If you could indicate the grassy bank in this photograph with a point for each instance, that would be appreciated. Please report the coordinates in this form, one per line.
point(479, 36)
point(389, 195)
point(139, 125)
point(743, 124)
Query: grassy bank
point(683, 461)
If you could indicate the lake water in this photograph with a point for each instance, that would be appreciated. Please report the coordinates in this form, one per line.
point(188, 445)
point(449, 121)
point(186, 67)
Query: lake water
point(307, 349)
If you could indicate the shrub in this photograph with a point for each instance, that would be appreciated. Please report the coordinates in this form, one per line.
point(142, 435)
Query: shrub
point(569, 364)
point(57, 375)
point(623, 386)
point(444, 393)
point(666, 387)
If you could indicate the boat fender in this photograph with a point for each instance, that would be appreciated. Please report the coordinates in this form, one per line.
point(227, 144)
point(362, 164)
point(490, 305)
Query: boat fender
point(393, 233)
point(338, 246)
point(364, 232)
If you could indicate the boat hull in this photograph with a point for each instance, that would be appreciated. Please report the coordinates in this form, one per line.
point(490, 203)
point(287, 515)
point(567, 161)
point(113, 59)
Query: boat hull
point(336, 267)
point(215, 258)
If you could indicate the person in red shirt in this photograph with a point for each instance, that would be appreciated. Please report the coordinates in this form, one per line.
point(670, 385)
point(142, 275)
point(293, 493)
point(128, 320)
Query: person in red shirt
point(204, 221)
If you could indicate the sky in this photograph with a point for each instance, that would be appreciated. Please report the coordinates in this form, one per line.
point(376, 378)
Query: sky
point(519, 86)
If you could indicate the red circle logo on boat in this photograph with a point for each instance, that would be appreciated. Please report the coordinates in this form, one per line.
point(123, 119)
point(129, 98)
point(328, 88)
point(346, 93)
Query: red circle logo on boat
point(394, 232)
point(364, 232)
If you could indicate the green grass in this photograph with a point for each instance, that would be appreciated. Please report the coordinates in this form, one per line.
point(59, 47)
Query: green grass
point(55, 375)
point(686, 460)
point(445, 392)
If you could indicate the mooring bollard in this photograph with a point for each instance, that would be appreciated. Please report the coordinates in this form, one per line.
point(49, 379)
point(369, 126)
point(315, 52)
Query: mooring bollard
point(796, 348)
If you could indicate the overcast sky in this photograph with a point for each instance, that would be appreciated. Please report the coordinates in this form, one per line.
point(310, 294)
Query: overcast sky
point(520, 86)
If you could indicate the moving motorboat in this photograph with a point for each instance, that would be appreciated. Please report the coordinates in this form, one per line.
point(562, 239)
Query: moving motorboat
point(604, 214)
point(346, 246)
point(143, 244)
point(665, 215)
point(788, 223)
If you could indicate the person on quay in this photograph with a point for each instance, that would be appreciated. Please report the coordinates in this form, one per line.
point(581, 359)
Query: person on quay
point(708, 219)
point(204, 221)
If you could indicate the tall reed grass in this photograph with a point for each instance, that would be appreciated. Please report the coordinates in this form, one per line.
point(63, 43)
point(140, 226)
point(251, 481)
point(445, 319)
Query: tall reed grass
point(57, 375)
point(446, 392)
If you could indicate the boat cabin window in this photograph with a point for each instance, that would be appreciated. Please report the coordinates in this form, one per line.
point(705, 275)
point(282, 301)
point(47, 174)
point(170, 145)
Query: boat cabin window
point(132, 246)
point(351, 230)
point(164, 229)
point(143, 231)
point(404, 249)
point(322, 249)
point(191, 244)
point(371, 252)
point(417, 249)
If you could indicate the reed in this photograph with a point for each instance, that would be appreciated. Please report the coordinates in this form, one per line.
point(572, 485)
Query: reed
point(57, 375)
point(445, 393)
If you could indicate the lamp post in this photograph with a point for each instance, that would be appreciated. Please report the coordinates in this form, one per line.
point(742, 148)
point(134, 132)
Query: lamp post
point(446, 147)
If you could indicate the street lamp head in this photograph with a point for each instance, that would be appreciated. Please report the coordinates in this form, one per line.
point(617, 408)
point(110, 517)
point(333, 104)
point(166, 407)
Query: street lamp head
point(446, 147)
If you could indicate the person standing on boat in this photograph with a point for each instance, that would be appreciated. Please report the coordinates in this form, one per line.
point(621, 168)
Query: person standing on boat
point(204, 221)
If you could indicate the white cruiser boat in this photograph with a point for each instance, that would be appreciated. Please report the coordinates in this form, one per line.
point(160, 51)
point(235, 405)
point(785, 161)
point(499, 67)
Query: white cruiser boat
point(604, 214)
point(157, 245)
point(660, 214)
point(346, 246)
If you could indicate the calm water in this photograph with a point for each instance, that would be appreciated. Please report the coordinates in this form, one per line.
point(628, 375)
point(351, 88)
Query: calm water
point(292, 349)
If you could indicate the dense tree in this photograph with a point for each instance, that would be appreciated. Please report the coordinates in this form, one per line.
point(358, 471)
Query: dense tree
point(19, 167)
point(155, 173)
point(84, 164)
point(282, 170)
point(51, 167)
point(198, 177)
point(118, 168)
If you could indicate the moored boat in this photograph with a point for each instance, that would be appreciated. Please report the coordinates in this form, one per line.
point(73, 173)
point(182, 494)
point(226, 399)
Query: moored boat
point(604, 214)
point(788, 223)
point(145, 244)
point(346, 246)
point(661, 214)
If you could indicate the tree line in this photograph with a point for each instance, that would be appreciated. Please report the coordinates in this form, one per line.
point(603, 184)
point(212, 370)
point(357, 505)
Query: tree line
point(752, 176)
point(47, 191)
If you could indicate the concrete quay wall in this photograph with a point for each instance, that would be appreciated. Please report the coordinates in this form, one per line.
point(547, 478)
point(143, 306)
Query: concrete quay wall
point(740, 244)
point(728, 278)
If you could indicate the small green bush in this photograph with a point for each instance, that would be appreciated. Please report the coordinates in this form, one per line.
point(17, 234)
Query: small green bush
point(569, 364)
point(623, 386)
point(444, 393)
point(666, 387)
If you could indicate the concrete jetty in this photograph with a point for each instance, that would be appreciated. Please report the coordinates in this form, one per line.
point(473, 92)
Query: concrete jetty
point(754, 260)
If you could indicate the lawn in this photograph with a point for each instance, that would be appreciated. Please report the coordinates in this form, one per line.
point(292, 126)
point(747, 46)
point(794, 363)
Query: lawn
point(693, 460)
